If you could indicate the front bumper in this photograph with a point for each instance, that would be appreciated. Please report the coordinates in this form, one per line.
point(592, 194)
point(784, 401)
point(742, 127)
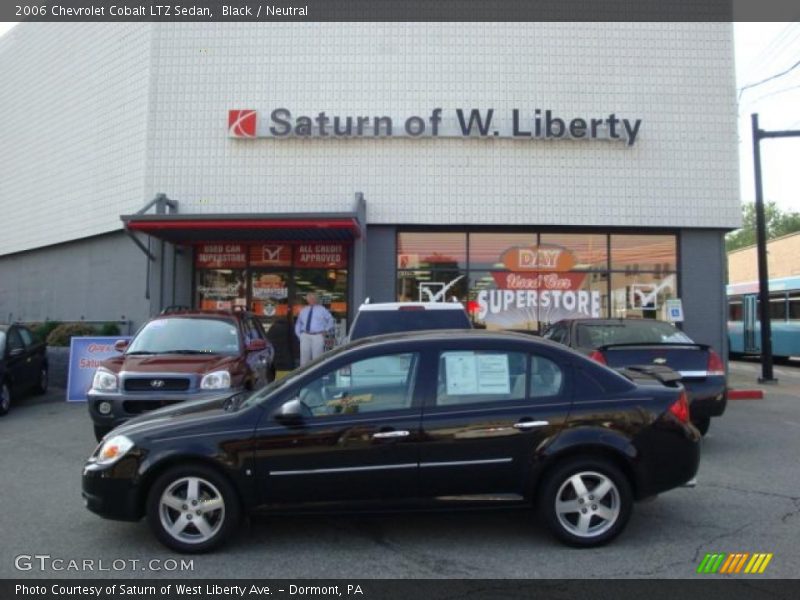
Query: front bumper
point(112, 492)
point(125, 406)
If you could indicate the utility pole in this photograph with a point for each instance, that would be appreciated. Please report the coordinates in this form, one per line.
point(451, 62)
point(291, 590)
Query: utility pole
point(767, 375)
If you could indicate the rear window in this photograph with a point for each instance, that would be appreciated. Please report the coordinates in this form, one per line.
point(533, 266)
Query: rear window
point(378, 322)
point(595, 335)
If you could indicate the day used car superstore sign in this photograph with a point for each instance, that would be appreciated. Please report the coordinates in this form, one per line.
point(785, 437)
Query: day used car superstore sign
point(538, 123)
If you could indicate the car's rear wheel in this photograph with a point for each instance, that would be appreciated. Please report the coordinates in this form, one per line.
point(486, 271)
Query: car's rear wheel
point(5, 398)
point(586, 502)
point(41, 384)
point(702, 424)
point(192, 509)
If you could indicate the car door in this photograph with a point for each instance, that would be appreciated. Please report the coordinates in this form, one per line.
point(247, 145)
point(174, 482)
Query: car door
point(257, 360)
point(17, 360)
point(358, 439)
point(490, 411)
point(34, 357)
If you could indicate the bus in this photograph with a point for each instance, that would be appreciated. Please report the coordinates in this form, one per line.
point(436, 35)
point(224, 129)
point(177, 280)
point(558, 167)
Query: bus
point(744, 330)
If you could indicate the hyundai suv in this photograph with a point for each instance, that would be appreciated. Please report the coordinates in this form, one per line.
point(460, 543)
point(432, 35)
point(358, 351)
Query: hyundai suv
point(180, 355)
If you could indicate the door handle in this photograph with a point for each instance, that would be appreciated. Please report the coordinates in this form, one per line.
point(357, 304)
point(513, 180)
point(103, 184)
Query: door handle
point(382, 435)
point(531, 424)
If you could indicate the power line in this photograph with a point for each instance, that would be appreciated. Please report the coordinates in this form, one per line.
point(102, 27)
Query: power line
point(776, 76)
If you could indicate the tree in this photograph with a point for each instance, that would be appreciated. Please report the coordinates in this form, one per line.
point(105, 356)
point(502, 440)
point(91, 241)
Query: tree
point(778, 223)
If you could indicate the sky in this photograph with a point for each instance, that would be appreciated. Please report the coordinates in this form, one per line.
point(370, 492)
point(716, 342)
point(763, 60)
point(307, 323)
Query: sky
point(762, 50)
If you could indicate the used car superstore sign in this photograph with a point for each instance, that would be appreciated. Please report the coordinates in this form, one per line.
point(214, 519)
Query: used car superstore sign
point(473, 122)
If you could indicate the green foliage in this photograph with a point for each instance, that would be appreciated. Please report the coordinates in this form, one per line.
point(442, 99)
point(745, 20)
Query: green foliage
point(778, 223)
point(42, 330)
point(61, 335)
point(109, 329)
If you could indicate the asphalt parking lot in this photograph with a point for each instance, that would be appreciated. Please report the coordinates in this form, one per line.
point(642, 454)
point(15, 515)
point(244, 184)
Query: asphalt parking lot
point(747, 500)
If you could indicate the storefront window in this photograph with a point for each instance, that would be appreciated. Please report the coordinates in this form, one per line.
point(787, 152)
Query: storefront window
point(641, 295)
point(221, 289)
point(590, 250)
point(527, 281)
point(643, 253)
point(431, 251)
point(486, 249)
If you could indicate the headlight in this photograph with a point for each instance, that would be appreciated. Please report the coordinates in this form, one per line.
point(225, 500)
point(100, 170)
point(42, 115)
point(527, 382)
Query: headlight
point(104, 381)
point(111, 450)
point(218, 380)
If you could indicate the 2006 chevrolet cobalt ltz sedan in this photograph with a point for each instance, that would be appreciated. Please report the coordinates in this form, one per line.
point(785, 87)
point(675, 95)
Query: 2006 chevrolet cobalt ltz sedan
point(470, 415)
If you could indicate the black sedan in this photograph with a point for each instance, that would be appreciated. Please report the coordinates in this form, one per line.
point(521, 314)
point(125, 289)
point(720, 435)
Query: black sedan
point(622, 343)
point(432, 418)
point(23, 364)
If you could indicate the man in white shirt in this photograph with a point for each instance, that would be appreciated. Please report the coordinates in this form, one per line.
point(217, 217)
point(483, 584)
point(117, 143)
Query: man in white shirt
point(311, 326)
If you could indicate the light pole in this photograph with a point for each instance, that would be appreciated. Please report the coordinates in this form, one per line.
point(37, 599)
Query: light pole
point(767, 375)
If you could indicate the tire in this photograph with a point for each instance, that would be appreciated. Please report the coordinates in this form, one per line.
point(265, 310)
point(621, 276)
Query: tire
point(165, 507)
point(702, 424)
point(41, 385)
point(607, 515)
point(100, 431)
point(5, 398)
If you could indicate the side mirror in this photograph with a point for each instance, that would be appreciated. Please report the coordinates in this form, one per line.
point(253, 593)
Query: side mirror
point(120, 345)
point(290, 413)
point(256, 345)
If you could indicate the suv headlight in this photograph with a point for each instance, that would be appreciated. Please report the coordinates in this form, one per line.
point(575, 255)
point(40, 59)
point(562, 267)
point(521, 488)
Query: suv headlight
point(218, 380)
point(112, 449)
point(104, 381)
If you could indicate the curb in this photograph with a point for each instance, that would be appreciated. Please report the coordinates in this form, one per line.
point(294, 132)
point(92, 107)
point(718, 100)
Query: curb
point(745, 394)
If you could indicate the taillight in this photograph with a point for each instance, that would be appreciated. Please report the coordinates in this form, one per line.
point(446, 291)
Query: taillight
point(715, 365)
point(681, 408)
point(598, 357)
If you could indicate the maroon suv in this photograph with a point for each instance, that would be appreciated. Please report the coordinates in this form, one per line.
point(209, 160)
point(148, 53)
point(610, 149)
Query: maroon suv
point(180, 355)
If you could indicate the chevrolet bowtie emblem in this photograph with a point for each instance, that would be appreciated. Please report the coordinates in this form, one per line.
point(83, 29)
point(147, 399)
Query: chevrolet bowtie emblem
point(660, 361)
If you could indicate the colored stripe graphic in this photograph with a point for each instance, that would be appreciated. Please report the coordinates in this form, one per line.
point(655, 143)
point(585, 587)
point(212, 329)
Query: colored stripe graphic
point(732, 563)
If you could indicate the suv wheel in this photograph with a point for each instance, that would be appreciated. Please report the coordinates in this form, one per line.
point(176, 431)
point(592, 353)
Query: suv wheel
point(586, 502)
point(5, 398)
point(192, 509)
point(41, 385)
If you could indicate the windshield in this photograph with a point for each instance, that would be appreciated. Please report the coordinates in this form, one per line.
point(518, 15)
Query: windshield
point(186, 336)
point(595, 335)
point(378, 322)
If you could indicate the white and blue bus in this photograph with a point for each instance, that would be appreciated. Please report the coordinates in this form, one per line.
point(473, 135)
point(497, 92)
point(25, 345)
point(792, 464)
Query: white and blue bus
point(744, 329)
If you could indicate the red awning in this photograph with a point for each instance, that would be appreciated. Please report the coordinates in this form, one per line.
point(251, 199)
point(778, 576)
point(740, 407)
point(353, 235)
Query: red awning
point(191, 229)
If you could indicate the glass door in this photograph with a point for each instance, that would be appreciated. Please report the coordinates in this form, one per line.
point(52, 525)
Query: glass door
point(269, 301)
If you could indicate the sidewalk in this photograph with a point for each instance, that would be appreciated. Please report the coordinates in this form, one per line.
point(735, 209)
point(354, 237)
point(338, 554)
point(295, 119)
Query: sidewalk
point(743, 375)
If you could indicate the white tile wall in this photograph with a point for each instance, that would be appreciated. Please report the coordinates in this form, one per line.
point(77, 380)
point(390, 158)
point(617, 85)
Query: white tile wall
point(678, 77)
point(73, 105)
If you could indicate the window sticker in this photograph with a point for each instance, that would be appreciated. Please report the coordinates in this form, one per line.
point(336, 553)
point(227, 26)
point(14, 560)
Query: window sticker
point(470, 373)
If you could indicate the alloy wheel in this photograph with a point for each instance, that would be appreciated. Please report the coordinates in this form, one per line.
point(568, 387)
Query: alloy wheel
point(587, 504)
point(192, 510)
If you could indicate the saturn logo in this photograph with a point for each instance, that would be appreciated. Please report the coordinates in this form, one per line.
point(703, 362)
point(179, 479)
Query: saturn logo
point(242, 123)
point(157, 383)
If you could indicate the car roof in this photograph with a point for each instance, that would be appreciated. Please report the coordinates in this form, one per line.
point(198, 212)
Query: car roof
point(399, 305)
point(450, 335)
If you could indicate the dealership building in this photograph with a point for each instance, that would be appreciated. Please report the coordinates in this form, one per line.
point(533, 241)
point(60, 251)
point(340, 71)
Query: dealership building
point(532, 171)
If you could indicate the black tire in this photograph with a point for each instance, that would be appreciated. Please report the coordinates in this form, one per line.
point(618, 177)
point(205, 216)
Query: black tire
point(100, 431)
point(617, 502)
point(41, 385)
point(212, 486)
point(702, 424)
point(5, 398)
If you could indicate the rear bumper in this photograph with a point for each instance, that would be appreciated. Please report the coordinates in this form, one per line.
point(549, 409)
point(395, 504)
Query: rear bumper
point(707, 398)
point(669, 458)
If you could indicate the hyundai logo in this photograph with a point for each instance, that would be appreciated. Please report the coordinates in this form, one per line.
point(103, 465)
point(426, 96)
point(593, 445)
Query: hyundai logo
point(157, 383)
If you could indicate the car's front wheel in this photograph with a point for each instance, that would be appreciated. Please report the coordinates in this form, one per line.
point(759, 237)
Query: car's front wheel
point(586, 502)
point(5, 398)
point(192, 509)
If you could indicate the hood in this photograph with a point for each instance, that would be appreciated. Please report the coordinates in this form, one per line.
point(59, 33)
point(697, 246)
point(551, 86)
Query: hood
point(169, 363)
point(180, 415)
